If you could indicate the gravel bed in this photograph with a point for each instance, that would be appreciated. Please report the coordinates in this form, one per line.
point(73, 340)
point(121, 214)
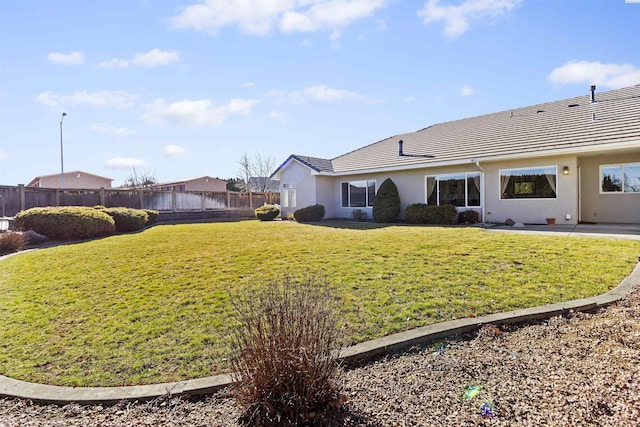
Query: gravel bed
point(578, 370)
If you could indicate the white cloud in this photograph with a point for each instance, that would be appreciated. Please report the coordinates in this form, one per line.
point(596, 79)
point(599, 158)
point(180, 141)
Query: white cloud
point(73, 58)
point(467, 90)
point(457, 17)
point(111, 130)
point(156, 57)
point(261, 17)
point(608, 75)
point(118, 99)
point(114, 63)
point(174, 151)
point(248, 84)
point(323, 93)
point(319, 93)
point(330, 14)
point(124, 163)
point(195, 113)
point(3, 155)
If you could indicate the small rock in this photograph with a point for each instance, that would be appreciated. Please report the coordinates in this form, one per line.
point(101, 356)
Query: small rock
point(509, 221)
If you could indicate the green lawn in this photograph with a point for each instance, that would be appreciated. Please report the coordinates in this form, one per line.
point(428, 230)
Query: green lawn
point(153, 306)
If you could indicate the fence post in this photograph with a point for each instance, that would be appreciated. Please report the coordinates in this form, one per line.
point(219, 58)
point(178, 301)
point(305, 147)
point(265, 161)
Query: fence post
point(141, 197)
point(102, 196)
point(57, 197)
point(202, 199)
point(228, 199)
point(22, 198)
point(250, 201)
point(174, 201)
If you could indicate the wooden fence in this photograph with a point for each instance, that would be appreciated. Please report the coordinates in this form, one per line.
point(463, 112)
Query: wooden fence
point(15, 199)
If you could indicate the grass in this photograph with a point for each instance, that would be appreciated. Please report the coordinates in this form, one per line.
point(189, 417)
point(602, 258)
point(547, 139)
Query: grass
point(155, 306)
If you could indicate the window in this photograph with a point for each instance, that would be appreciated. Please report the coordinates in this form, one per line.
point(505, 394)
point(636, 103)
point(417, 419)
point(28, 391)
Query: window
point(358, 194)
point(620, 178)
point(529, 183)
point(289, 195)
point(460, 189)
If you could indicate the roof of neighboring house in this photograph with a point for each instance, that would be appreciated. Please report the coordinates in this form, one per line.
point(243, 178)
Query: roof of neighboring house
point(35, 180)
point(187, 180)
point(568, 125)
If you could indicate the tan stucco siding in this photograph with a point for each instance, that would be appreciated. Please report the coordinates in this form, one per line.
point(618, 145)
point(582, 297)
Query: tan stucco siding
point(205, 184)
point(533, 211)
point(78, 180)
point(607, 207)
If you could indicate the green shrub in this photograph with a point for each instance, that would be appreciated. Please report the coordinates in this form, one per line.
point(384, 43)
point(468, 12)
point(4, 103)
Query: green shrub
point(469, 217)
point(386, 205)
point(152, 216)
point(267, 212)
point(65, 222)
point(99, 207)
point(310, 213)
point(127, 219)
point(284, 353)
point(10, 242)
point(419, 213)
point(358, 215)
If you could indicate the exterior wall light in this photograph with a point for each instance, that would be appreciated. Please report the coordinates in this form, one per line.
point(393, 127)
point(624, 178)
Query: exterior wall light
point(565, 170)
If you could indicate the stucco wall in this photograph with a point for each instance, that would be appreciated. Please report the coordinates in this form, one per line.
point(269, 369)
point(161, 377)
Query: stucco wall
point(75, 180)
point(305, 185)
point(205, 184)
point(533, 211)
point(607, 207)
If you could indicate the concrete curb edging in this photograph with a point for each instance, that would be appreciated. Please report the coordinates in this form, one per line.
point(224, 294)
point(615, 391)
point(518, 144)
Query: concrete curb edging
point(355, 354)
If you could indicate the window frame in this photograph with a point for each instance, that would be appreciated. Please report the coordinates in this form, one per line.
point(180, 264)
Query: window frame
point(368, 203)
point(556, 190)
point(289, 195)
point(465, 178)
point(621, 166)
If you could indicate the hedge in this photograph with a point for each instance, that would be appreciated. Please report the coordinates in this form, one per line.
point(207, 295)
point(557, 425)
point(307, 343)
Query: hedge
point(127, 219)
point(267, 212)
point(309, 214)
point(66, 222)
point(419, 213)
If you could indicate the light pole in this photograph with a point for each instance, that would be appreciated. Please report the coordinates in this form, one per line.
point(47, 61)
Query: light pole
point(61, 154)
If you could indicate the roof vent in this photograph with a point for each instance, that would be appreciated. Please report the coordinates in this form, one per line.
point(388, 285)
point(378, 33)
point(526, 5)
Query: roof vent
point(400, 148)
point(573, 105)
point(593, 93)
point(540, 111)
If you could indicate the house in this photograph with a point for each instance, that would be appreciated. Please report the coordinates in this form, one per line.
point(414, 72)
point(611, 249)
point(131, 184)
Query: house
point(203, 183)
point(74, 180)
point(576, 160)
point(263, 184)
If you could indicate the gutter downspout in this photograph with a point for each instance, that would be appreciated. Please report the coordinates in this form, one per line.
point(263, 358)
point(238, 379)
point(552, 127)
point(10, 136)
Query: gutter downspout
point(482, 204)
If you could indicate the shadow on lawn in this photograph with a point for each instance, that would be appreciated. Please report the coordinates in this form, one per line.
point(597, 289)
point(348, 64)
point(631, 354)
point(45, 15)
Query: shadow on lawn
point(353, 225)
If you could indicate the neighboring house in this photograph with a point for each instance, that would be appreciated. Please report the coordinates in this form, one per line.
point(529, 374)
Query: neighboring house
point(73, 180)
point(263, 184)
point(574, 160)
point(204, 183)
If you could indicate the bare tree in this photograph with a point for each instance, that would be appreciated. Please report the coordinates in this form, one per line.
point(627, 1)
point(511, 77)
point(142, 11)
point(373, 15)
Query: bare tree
point(140, 181)
point(256, 172)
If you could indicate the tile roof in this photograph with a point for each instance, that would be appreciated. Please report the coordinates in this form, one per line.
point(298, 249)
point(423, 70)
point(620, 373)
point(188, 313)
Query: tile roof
point(569, 124)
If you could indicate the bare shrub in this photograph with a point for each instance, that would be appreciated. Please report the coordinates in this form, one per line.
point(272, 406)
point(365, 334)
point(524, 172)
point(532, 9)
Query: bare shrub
point(284, 353)
point(10, 242)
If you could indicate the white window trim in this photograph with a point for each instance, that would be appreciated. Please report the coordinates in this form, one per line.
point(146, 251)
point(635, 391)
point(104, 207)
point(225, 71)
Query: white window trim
point(466, 190)
point(622, 165)
point(528, 198)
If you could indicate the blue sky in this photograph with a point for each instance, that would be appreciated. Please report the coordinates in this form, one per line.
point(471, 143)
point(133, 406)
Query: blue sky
point(182, 88)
